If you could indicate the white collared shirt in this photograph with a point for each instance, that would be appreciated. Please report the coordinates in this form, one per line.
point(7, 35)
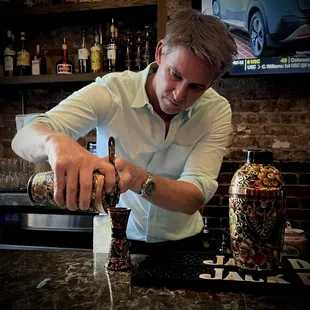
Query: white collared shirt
point(117, 105)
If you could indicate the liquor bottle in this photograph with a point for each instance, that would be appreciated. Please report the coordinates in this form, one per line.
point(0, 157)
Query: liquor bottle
point(128, 54)
point(83, 55)
point(14, 48)
point(23, 58)
point(138, 58)
point(64, 65)
point(119, 52)
point(43, 66)
point(96, 55)
point(205, 234)
point(28, 3)
point(111, 49)
point(103, 47)
point(38, 64)
point(9, 55)
point(147, 48)
point(13, 41)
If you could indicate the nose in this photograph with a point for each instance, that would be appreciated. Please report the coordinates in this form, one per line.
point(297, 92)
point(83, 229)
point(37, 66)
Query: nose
point(180, 92)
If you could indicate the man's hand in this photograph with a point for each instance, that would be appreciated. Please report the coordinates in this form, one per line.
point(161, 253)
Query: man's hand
point(171, 195)
point(131, 177)
point(73, 167)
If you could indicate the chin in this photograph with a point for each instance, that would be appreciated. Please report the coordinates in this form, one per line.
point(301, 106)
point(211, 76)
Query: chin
point(169, 108)
point(169, 111)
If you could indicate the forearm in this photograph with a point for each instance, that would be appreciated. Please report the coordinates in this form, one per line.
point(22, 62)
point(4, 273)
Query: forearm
point(30, 142)
point(175, 195)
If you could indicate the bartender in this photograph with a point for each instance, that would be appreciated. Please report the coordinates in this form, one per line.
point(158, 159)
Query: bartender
point(169, 125)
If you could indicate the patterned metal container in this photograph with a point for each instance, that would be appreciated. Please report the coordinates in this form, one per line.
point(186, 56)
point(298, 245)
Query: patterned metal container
point(257, 213)
point(119, 258)
point(41, 190)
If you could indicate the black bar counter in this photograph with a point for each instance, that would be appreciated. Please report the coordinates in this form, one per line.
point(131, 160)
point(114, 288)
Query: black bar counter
point(59, 279)
point(44, 273)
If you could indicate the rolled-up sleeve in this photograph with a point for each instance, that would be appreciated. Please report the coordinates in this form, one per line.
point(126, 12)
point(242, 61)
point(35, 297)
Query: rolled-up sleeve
point(204, 162)
point(78, 113)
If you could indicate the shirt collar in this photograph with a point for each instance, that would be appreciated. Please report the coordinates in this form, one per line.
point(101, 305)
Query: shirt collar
point(191, 109)
point(141, 98)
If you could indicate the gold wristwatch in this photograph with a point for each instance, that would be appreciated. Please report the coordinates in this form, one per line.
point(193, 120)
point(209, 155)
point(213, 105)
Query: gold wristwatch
point(148, 187)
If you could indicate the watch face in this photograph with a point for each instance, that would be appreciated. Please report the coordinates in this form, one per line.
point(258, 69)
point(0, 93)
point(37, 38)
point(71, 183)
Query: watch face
point(150, 188)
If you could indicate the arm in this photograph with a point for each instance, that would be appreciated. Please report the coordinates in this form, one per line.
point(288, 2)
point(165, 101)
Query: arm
point(52, 137)
point(197, 183)
point(172, 195)
point(32, 149)
point(74, 117)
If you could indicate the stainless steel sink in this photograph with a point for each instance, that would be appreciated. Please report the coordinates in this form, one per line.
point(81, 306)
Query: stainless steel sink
point(57, 222)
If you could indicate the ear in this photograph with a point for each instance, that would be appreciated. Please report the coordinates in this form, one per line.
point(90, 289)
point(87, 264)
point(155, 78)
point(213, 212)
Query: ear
point(159, 52)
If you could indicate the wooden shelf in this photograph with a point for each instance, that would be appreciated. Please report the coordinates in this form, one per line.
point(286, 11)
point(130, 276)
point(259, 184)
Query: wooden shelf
point(77, 7)
point(50, 78)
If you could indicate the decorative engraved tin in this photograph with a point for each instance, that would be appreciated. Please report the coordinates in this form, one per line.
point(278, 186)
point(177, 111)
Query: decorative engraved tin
point(41, 190)
point(257, 213)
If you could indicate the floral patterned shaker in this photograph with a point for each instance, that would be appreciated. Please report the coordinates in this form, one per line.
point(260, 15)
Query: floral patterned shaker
point(257, 213)
point(119, 255)
point(40, 190)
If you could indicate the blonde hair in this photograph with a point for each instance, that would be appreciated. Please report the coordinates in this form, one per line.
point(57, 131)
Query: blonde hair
point(205, 35)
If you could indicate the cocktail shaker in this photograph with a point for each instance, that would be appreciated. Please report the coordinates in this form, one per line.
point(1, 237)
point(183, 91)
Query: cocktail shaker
point(40, 190)
point(257, 213)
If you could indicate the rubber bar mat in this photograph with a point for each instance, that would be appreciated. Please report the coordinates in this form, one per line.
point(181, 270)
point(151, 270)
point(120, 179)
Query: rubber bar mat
point(187, 270)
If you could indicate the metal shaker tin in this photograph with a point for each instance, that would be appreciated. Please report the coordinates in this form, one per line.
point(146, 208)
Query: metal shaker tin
point(40, 190)
point(257, 213)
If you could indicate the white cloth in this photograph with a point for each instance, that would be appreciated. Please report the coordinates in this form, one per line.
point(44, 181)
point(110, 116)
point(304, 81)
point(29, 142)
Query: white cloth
point(117, 105)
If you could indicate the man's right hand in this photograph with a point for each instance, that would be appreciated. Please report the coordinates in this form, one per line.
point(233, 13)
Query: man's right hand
point(73, 167)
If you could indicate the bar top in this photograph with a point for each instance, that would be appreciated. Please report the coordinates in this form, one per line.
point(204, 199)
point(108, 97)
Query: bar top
point(78, 280)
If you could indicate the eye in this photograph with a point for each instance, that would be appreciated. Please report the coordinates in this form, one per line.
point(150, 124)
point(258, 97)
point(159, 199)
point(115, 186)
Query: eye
point(174, 75)
point(197, 87)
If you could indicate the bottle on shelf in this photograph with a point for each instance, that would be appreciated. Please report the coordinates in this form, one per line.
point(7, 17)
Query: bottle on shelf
point(119, 52)
point(147, 47)
point(64, 65)
point(83, 55)
point(205, 234)
point(102, 47)
point(23, 58)
point(28, 3)
point(9, 56)
point(38, 64)
point(111, 49)
point(14, 48)
point(128, 53)
point(13, 41)
point(96, 55)
point(138, 58)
